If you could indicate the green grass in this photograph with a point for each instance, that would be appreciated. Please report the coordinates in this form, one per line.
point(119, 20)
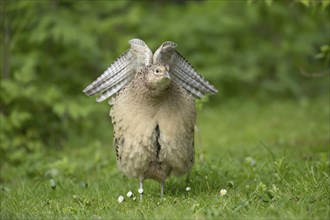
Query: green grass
point(272, 158)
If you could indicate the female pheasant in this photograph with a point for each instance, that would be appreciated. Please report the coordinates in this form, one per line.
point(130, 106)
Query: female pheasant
point(153, 112)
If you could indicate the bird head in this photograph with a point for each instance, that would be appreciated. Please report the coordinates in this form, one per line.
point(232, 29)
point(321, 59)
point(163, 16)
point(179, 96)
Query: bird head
point(158, 77)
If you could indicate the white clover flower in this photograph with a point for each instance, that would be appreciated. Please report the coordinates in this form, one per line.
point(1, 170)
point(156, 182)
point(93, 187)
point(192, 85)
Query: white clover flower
point(129, 194)
point(250, 161)
point(134, 198)
point(121, 199)
point(140, 190)
point(223, 192)
point(188, 188)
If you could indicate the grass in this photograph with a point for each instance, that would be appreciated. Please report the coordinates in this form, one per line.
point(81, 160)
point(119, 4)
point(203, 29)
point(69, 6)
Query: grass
point(271, 157)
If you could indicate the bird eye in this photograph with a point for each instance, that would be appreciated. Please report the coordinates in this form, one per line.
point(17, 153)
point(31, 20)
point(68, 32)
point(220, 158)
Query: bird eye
point(157, 71)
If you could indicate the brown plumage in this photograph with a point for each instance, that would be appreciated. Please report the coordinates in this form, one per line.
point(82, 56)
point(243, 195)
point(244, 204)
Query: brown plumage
point(153, 111)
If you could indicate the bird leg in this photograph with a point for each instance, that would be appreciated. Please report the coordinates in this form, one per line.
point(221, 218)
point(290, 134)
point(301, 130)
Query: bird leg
point(188, 178)
point(141, 188)
point(162, 188)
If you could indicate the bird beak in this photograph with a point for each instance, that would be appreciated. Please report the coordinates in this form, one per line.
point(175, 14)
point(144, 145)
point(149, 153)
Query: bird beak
point(167, 75)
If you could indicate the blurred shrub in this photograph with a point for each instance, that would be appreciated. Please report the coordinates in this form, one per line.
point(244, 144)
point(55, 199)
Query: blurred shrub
point(248, 48)
point(52, 49)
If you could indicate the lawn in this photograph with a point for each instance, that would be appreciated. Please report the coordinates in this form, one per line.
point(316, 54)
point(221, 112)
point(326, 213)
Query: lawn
point(271, 156)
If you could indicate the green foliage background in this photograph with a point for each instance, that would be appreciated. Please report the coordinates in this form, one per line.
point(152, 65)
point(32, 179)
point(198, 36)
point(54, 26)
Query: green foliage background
point(264, 137)
point(50, 50)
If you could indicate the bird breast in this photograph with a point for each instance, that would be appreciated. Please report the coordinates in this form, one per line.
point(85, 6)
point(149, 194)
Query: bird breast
point(151, 130)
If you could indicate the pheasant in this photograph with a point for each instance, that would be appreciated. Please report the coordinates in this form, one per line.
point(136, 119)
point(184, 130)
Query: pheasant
point(153, 110)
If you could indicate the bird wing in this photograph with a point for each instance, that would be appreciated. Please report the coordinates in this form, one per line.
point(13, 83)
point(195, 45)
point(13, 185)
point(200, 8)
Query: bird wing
point(182, 71)
point(121, 72)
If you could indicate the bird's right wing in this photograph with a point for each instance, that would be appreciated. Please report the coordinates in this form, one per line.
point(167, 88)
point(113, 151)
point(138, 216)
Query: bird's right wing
point(121, 72)
point(181, 70)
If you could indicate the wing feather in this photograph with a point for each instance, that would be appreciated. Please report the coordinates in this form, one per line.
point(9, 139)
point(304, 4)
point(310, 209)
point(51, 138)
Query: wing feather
point(114, 89)
point(188, 87)
point(112, 70)
point(179, 72)
point(182, 71)
point(108, 81)
point(191, 75)
point(122, 71)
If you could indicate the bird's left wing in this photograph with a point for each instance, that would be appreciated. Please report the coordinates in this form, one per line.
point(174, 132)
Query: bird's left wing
point(121, 72)
point(182, 71)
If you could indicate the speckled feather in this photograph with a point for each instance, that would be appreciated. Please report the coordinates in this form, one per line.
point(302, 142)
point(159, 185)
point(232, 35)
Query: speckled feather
point(153, 135)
